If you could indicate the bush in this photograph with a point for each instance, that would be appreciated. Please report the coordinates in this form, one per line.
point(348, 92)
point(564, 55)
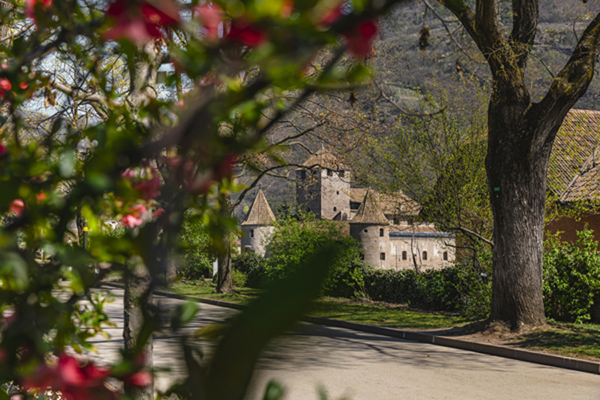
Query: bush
point(238, 277)
point(293, 241)
point(253, 266)
point(195, 243)
point(571, 278)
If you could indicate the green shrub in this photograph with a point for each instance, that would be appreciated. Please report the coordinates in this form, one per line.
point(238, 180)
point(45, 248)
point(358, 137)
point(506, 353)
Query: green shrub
point(293, 241)
point(195, 244)
point(238, 277)
point(253, 266)
point(571, 277)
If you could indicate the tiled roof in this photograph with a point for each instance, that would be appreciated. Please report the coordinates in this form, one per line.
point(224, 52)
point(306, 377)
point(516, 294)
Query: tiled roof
point(260, 213)
point(585, 186)
point(397, 203)
point(324, 159)
point(369, 212)
point(573, 153)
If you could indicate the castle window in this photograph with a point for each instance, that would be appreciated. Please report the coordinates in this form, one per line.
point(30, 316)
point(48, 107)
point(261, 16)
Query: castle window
point(404, 255)
point(334, 208)
point(381, 232)
point(302, 174)
point(382, 256)
point(366, 230)
point(445, 255)
point(354, 205)
point(329, 172)
point(338, 192)
point(251, 232)
point(424, 255)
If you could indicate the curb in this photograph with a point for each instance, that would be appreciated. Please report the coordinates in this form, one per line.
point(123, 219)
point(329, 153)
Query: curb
point(490, 349)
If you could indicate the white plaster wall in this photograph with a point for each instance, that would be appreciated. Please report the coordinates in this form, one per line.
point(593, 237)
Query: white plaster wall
point(258, 242)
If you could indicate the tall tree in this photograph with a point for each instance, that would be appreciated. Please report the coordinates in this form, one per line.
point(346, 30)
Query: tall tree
point(520, 137)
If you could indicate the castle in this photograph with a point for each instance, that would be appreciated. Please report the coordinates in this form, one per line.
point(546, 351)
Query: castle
point(379, 222)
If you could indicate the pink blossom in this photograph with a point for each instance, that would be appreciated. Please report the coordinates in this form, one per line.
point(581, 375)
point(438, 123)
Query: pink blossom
point(128, 174)
point(17, 206)
point(5, 84)
point(149, 189)
point(158, 212)
point(359, 39)
point(41, 197)
point(210, 16)
point(23, 85)
point(131, 221)
point(140, 21)
point(30, 6)
point(138, 210)
point(246, 33)
point(332, 15)
point(141, 378)
point(74, 380)
point(2, 149)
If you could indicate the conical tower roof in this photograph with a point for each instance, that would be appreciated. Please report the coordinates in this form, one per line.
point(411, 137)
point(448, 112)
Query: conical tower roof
point(369, 212)
point(260, 213)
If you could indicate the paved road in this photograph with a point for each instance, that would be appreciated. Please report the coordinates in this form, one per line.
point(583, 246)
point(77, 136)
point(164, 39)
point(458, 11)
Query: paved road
point(356, 365)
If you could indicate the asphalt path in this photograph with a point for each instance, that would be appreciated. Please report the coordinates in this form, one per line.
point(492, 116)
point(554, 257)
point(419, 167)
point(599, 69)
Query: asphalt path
point(357, 365)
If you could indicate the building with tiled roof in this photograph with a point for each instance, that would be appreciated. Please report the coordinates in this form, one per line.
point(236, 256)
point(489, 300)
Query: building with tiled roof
point(258, 225)
point(574, 174)
point(323, 188)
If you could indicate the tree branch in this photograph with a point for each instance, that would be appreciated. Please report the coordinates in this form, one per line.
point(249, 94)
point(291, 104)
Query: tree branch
point(525, 21)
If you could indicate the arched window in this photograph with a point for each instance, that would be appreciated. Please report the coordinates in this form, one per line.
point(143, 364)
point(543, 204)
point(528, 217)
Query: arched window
point(445, 255)
point(424, 255)
point(366, 230)
point(404, 257)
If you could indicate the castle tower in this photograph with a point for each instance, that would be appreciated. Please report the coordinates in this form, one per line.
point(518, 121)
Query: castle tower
point(370, 227)
point(258, 225)
point(323, 186)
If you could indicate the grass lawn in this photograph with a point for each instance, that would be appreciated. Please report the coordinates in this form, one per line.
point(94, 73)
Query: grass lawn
point(570, 340)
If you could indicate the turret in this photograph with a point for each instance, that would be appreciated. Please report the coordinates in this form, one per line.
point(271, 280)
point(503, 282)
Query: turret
point(258, 226)
point(370, 227)
point(323, 186)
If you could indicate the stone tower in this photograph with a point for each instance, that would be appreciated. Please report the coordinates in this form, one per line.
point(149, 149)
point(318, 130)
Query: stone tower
point(258, 225)
point(323, 186)
point(370, 227)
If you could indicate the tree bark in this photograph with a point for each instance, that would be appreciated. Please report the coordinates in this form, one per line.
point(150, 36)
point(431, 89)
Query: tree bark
point(138, 297)
point(224, 278)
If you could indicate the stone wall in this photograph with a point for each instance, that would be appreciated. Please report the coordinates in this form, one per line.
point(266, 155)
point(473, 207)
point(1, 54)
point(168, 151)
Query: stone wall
point(255, 237)
point(308, 190)
point(427, 250)
point(335, 193)
point(375, 243)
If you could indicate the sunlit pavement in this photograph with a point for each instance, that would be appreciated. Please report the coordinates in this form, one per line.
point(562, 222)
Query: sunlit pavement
point(356, 365)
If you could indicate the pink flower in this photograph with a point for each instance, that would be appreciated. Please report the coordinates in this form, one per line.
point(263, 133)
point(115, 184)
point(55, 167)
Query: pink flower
point(158, 212)
point(246, 33)
point(141, 378)
point(359, 39)
point(31, 5)
point(150, 189)
point(210, 16)
point(5, 84)
point(41, 197)
point(332, 15)
point(128, 174)
point(131, 221)
point(139, 21)
point(138, 210)
point(2, 149)
point(74, 380)
point(17, 206)
point(23, 85)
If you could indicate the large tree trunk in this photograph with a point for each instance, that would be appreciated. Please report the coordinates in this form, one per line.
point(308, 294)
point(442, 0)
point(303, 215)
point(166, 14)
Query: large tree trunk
point(517, 178)
point(224, 278)
point(138, 297)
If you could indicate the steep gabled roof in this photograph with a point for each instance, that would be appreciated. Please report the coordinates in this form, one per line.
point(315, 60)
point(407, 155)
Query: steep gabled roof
point(573, 153)
point(260, 212)
point(369, 212)
point(324, 159)
point(394, 203)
